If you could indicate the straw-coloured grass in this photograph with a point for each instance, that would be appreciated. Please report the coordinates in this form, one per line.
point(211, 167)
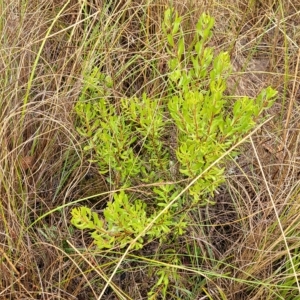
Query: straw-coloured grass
point(244, 247)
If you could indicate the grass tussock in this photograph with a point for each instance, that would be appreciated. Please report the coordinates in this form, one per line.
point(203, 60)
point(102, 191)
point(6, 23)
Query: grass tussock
point(246, 246)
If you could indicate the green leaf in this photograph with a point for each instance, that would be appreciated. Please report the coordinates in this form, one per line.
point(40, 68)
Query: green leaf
point(181, 49)
point(176, 25)
point(170, 40)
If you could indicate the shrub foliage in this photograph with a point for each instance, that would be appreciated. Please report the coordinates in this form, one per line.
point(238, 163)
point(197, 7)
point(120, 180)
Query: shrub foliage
point(167, 141)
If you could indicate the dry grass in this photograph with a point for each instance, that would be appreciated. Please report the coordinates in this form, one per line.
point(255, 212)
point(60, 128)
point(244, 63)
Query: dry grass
point(245, 247)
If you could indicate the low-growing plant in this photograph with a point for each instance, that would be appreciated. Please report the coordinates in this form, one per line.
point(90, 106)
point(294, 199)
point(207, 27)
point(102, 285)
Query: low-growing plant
point(132, 140)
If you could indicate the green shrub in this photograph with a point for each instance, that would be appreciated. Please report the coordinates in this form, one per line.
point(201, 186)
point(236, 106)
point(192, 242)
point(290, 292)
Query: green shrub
point(132, 141)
